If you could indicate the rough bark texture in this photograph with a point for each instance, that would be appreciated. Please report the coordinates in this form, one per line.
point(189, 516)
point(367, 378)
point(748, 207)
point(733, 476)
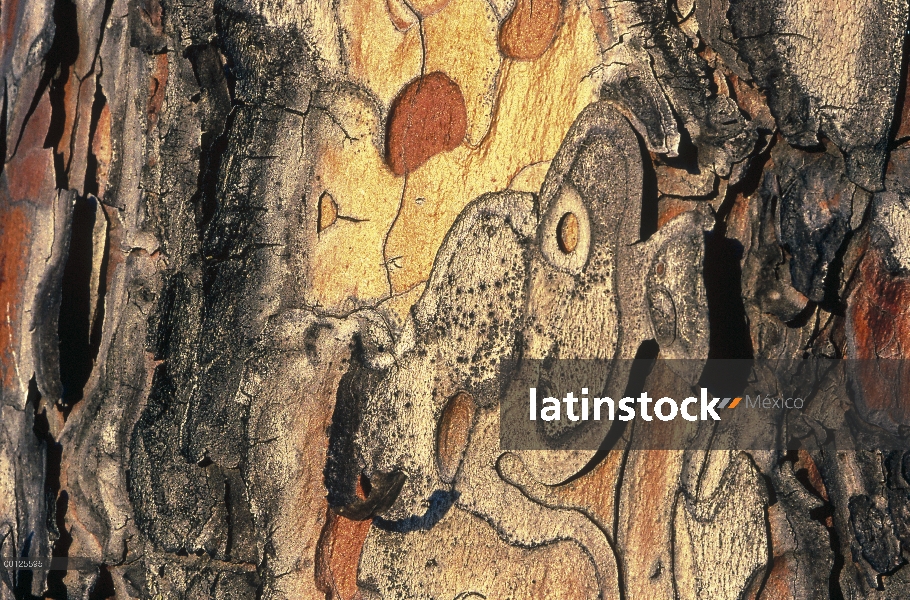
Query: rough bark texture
point(260, 262)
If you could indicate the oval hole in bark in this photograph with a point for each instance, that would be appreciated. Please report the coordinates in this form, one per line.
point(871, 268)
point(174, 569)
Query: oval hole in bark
point(452, 434)
point(567, 233)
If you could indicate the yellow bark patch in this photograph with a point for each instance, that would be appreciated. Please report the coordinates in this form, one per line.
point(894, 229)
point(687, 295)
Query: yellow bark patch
point(356, 198)
point(380, 56)
point(461, 42)
point(537, 103)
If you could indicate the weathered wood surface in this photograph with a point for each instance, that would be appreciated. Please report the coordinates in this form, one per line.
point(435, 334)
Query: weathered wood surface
point(259, 262)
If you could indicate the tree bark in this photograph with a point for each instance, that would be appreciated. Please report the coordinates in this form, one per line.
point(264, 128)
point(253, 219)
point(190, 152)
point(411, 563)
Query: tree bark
point(261, 261)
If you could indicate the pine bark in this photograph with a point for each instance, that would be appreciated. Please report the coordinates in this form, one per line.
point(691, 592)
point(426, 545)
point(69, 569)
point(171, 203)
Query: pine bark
point(229, 231)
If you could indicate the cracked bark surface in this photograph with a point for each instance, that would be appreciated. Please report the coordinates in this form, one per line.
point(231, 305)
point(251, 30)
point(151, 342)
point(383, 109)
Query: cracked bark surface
point(238, 238)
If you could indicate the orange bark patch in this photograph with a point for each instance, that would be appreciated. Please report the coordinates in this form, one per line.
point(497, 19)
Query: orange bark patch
point(878, 327)
point(778, 585)
point(28, 179)
point(14, 232)
point(338, 555)
point(668, 208)
point(530, 28)
point(428, 117)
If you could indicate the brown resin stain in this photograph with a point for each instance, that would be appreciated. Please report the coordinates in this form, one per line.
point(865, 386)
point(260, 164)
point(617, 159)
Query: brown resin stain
point(157, 86)
point(428, 117)
point(338, 554)
point(878, 327)
point(14, 233)
point(29, 174)
point(452, 435)
point(595, 491)
point(778, 586)
point(530, 28)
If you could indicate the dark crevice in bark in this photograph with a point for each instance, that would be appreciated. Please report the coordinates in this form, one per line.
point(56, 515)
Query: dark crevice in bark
point(729, 334)
point(802, 319)
point(206, 197)
point(75, 308)
point(825, 515)
point(104, 585)
point(91, 185)
point(686, 158)
point(229, 520)
point(750, 181)
point(729, 329)
point(649, 196)
point(217, 82)
point(55, 500)
point(833, 302)
point(59, 63)
point(645, 358)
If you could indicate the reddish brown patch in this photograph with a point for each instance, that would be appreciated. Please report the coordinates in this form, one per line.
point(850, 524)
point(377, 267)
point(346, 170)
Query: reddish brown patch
point(14, 232)
point(27, 181)
point(777, 587)
point(452, 435)
point(812, 476)
point(668, 208)
point(530, 28)
point(603, 27)
point(157, 86)
point(428, 117)
point(337, 556)
point(878, 327)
